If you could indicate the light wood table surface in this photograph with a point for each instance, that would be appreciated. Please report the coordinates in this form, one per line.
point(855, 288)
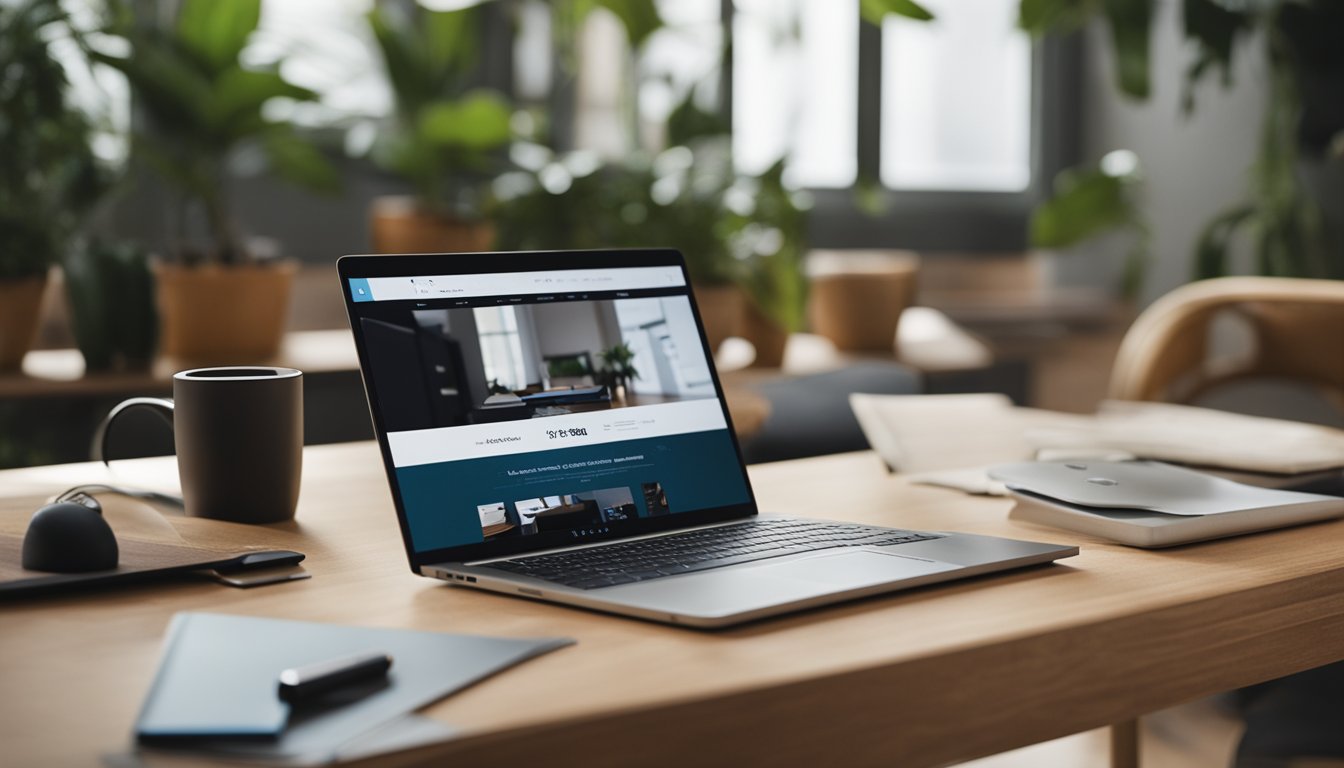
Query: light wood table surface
point(924, 678)
point(60, 372)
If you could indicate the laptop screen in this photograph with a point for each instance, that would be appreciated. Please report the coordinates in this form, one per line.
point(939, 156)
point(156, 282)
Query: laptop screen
point(535, 408)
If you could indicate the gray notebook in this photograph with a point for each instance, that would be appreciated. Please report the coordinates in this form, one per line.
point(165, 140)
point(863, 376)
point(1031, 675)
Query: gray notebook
point(216, 688)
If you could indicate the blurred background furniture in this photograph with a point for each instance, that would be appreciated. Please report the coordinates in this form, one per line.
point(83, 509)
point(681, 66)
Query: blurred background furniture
point(807, 398)
point(1212, 333)
point(800, 409)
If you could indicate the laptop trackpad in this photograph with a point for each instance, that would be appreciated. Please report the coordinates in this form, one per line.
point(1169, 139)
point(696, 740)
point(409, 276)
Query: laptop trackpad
point(851, 570)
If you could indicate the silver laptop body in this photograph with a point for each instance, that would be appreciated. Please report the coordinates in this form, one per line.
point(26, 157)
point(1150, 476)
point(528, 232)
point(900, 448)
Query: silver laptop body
point(507, 439)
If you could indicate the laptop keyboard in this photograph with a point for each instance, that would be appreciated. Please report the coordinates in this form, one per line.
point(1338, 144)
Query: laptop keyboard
point(700, 550)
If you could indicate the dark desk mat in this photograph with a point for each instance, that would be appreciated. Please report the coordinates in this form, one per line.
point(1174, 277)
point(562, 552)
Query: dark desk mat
point(138, 560)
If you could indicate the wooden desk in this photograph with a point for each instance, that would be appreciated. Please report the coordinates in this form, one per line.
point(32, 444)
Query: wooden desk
point(925, 678)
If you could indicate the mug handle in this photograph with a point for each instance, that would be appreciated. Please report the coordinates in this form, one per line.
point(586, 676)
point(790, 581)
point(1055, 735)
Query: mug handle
point(161, 405)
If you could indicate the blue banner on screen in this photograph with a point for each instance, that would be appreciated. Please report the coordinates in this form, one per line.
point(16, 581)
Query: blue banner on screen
point(583, 490)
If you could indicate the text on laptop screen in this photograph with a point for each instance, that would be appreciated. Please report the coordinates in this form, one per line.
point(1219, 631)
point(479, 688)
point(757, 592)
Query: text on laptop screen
point(504, 418)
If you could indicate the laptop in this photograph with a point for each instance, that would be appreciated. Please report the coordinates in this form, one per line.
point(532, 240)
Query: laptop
point(519, 463)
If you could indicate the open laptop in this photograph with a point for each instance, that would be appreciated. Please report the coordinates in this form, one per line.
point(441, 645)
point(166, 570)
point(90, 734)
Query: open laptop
point(518, 464)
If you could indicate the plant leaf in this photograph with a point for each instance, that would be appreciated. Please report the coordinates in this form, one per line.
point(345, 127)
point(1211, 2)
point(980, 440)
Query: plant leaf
point(1212, 244)
point(478, 121)
point(1130, 23)
point(215, 31)
point(1087, 203)
point(1214, 30)
point(1041, 16)
point(688, 122)
point(639, 17)
point(297, 160)
point(174, 95)
point(234, 108)
point(874, 11)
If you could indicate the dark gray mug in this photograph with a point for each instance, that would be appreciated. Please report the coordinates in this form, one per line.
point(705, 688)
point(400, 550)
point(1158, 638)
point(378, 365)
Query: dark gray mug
point(238, 433)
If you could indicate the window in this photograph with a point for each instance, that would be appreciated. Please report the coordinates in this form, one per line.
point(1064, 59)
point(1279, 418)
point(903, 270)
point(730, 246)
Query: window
point(795, 89)
point(956, 99)
point(650, 327)
point(501, 346)
point(956, 124)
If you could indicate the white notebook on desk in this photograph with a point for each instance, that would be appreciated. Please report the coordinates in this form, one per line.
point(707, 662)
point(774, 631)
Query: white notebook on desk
point(1150, 504)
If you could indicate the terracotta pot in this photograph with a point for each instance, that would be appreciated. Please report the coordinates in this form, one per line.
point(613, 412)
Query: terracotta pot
point(399, 225)
point(20, 309)
point(857, 299)
point(721, 308)
point(767, 337)
point(215, 315)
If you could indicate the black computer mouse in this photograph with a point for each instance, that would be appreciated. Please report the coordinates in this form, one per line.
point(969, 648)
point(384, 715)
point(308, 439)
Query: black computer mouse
point(69, 538)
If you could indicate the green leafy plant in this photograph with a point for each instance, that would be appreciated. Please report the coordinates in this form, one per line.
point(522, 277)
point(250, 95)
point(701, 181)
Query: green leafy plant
point(203, 107)
point(49, 176)
point(1090, 201)
point(111, 300)
point(1301, 40)
point(875, 11)
point(671, 199)
point(618, 366)
point(770, 240)
point(443, 129)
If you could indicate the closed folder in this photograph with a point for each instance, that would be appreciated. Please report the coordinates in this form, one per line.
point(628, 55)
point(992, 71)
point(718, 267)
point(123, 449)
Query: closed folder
point(217, 683)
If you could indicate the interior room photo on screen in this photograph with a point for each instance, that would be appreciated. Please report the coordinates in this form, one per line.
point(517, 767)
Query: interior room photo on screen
point(471, 365)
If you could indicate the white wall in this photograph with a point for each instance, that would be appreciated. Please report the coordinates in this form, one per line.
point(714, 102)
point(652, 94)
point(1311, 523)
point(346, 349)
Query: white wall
point(1195, 167)
point(567, 327)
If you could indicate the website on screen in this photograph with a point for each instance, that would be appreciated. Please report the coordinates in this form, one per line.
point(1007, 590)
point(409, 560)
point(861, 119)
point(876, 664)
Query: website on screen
point(524, 403)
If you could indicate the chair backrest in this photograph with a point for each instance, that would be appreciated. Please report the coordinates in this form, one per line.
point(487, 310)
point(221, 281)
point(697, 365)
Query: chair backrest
point(1297, 327)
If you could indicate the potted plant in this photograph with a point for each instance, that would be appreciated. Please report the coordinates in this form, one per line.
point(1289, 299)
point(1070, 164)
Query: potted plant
point(202, 108)
point(443, 132)
point(48, 174)
point(618, 369)
point(696, 220)
point(770, 240)
point(110, 294)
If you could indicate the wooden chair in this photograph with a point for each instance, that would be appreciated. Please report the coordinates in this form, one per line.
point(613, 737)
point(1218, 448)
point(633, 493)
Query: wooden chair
point(1297, 332)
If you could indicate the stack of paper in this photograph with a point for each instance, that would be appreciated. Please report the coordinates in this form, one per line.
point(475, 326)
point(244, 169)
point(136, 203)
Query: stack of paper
point(950, 439)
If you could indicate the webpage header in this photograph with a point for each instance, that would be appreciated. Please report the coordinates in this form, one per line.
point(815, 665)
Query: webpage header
point(566, 281)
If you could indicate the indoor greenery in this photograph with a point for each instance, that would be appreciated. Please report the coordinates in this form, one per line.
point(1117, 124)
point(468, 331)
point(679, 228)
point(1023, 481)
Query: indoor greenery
point(618, 366)
point(202, 107)
point(733, 228)
point(49, 176)
point(447, 128)
point(674, 199)
point(1302, 120)
point(770, 240)
point(444, 127)
point(1089, 201)
point(110, 293)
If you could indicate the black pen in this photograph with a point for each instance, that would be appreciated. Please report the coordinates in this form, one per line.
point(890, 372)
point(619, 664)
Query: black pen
point(303, 683)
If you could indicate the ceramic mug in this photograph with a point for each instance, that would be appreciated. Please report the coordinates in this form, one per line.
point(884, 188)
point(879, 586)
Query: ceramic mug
point(238, 434)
